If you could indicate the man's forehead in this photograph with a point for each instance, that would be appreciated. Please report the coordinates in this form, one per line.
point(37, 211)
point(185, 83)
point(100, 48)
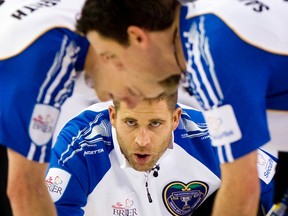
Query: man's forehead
point(147, 113)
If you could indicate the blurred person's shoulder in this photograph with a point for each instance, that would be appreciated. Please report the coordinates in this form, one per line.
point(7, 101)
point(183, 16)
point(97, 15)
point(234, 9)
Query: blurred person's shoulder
point(259, 23)
point(23, 21)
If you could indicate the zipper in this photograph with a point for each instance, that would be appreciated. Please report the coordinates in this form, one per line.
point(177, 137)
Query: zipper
point(147, 188)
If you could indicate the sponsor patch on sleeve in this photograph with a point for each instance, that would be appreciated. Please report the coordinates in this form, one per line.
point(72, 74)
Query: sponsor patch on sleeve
point(266, 167)
point(56, 182)
point(42, 124)
point(222, 125)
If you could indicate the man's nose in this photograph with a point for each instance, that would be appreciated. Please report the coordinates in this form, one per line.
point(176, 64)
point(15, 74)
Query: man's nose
point(142, 138)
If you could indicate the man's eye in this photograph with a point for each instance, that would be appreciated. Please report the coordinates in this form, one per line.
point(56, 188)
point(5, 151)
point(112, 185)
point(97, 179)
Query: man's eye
point(155, 124)
point(111, 57)
point(108, 57)
point(131, 123)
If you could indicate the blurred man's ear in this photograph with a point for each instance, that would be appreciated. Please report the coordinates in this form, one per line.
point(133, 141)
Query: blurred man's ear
point(112, 115)
point(137, 36)
point(176, 117)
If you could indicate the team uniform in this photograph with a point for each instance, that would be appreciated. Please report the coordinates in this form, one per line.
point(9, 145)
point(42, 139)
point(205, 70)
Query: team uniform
point(89, 174)
point(240, 73)
point(40, 57)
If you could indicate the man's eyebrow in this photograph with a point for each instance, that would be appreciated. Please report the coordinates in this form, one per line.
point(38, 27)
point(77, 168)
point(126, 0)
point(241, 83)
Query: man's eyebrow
point(129, 118)
point(157, 119)
point(150, 120)
point(103, 54)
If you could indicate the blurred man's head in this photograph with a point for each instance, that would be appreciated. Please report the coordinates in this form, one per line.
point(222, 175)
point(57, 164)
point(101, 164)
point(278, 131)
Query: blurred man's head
point(138, 38)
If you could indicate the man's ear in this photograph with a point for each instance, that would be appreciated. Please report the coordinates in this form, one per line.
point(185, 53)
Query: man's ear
point(137, 36)
point(176, 117)
point(112, 115)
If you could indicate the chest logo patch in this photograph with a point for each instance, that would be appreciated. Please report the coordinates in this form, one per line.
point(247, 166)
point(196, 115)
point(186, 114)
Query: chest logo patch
point(182, 199)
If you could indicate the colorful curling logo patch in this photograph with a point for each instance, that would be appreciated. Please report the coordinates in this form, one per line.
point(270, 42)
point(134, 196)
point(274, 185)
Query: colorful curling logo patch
point(183, 199)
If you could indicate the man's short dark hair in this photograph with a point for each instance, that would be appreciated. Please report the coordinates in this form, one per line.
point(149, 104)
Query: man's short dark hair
point(171, 100)
point(111, 18)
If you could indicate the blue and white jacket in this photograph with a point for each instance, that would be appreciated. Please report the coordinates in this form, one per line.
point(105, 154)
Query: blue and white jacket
point(89, 175)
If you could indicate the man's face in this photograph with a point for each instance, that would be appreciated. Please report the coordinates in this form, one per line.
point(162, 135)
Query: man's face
point(144, 132)
point(137, 71)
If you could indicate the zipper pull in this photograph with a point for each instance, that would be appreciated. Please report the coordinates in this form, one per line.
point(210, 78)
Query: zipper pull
point(147, 189)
